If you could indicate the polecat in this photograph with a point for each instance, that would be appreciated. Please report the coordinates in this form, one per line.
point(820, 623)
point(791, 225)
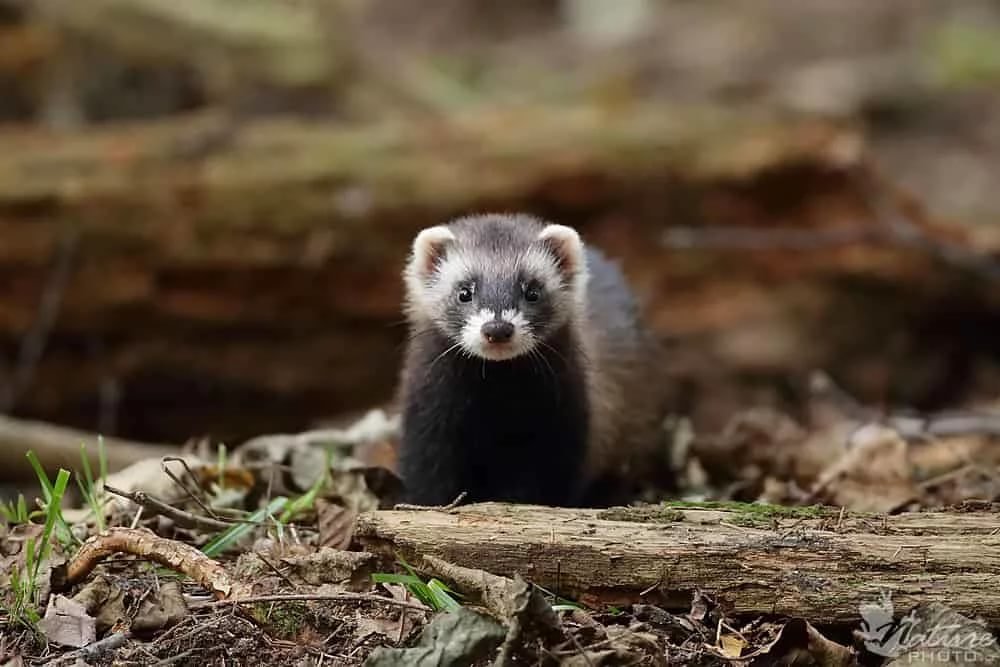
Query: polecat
point(528, 376)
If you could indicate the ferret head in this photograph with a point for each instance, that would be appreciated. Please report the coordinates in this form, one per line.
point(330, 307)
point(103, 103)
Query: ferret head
point(496, 286)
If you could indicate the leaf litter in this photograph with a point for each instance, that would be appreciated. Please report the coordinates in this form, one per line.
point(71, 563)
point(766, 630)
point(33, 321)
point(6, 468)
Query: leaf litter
point(251, 557)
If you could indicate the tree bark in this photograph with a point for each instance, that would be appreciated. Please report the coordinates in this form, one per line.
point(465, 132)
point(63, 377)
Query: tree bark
point(820, 568)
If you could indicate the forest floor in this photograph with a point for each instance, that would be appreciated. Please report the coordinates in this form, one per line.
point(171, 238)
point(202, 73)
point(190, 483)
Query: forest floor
point(866, 545)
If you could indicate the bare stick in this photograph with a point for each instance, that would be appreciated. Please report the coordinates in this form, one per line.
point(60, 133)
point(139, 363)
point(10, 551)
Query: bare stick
point(183, 518)
point(440, 508)
point(176, 555)
point(360, 597)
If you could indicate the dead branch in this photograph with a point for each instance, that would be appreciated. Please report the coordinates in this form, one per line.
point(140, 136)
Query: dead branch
point(179, 516)
point(178, 556)
point(307, 597)
point(58, 447)
point(804, 567)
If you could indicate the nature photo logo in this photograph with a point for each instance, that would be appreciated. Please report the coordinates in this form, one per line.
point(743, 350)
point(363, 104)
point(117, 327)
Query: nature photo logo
point(927, 632)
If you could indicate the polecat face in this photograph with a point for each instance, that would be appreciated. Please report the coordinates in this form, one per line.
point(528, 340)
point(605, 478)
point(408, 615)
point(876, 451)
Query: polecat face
point(496, 286)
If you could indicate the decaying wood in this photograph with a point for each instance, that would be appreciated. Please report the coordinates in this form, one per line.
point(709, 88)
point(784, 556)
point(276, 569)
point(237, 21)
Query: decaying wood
point(191, 228)
point(816, 568)
point(176, 555)
point(60, 447)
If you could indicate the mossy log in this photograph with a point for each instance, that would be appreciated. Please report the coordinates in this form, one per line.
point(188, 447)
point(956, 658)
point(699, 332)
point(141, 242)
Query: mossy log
point(802, 562)
point(256, 263)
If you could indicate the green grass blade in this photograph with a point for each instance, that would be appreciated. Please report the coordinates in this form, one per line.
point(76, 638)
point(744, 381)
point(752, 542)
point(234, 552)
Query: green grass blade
point(231, 536)
point(53, 512)
point(65, 535)
point(304, 502)
point(102, 458)
point(85, 464)
point(88, 486)
point(443, 600)
point(404, 579)
point(43, 478)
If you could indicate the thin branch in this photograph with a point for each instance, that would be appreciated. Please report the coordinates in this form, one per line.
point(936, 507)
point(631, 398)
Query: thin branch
point(360, 597)
point(186, 519)
point(439, 508)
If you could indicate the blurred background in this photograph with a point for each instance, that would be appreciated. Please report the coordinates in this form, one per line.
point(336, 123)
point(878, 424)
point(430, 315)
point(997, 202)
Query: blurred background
point(205, 204)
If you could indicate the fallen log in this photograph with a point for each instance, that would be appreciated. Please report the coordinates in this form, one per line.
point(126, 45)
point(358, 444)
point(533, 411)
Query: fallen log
point(292, 233)
point(58, 447)
point(803, 562)
point(274, 42)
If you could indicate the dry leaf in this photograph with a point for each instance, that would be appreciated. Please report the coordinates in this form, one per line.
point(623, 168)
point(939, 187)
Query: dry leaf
point(67, 622)
point(455, 639)
point(731, 646)
point(161, 609)
point(874, 475)
point(335, 523)
point(396, 629)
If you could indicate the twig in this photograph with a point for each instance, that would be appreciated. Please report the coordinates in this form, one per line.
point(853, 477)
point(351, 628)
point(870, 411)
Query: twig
point(274, 568)
point(88, 653)
point(183, 655)
point(176, 555)
point(441, 508)
point(359, 597)
point(191, 494)
point(186, 519)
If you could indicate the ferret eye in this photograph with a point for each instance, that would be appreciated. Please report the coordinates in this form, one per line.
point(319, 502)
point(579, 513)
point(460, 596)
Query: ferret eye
point(532, 294)
point(465, 294)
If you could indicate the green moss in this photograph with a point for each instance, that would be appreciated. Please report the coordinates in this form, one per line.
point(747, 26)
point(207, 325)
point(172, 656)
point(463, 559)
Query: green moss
point(650, 514)
point(286, 620)
point(754, 515)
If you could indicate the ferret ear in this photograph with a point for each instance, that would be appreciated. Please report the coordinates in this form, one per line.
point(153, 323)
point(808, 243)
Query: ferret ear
point(565, 245)
point(429, 248)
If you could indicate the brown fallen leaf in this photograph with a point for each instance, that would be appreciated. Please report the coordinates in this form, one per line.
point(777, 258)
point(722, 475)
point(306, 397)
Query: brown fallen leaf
point(67, 622)
point(105, 601)
point(731, 646)
point(873, 475)
point(335, 523)
point(160, 609)
point(798, 642)
point(395, 629)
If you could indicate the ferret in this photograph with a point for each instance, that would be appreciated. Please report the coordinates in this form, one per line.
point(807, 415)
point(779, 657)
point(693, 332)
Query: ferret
point(528, 376)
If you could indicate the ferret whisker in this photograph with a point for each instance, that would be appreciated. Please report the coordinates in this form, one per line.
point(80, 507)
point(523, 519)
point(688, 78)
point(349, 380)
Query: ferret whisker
point(553, 374)
point(442, 355)
point(536, 354)
point(541, 341)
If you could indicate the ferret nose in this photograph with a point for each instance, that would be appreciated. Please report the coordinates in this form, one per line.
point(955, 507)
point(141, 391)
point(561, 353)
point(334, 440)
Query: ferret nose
point(498, 331)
